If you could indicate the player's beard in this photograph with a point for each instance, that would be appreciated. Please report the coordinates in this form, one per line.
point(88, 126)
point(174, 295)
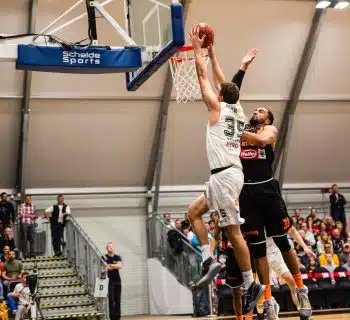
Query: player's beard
point(253, 122)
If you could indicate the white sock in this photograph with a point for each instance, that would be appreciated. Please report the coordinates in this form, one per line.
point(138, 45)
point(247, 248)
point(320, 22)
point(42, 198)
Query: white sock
point(205, 251)
point(247, 278)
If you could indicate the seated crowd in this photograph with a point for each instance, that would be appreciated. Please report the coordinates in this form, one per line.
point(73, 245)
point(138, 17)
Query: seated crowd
point(14, 290)
point(327, 238)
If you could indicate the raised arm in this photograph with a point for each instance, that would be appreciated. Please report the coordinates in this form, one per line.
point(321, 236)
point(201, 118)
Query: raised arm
point(246, 61)
point(299, 240)
point(208, 94)
point(268, 136)
point(218, 74)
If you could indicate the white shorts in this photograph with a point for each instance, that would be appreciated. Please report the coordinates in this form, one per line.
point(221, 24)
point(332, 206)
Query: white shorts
point(276, 262)
point(222, 192)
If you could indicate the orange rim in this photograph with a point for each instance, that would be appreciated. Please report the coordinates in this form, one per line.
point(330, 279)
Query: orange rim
point(172, 59)
point(183, 49)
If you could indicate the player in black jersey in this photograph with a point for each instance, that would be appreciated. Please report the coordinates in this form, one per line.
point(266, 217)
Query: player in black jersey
point(262, 205)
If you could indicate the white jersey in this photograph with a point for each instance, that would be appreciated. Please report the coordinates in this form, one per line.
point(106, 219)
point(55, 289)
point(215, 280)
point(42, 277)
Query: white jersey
point(224, 138)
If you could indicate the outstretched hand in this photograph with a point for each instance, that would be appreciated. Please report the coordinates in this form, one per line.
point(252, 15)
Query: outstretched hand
point(197, 42)
point(249, 57)
point(310, 253)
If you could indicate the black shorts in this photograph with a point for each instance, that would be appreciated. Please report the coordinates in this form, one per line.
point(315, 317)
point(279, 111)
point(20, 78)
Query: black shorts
point(263, 208)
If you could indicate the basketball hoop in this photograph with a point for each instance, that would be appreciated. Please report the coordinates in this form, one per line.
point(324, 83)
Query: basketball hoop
point(185, 80)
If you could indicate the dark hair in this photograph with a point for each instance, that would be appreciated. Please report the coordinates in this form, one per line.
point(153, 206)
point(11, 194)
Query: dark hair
point(230, 92)
point(270, 116)
point(59, 196)
point(333, 185)
point(3, 193)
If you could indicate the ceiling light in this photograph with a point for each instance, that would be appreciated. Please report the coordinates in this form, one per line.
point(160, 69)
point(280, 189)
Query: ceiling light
point(342, 4)
point(323, 4)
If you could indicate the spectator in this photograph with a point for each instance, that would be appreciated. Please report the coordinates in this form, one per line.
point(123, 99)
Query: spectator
point(312, 265)
point(323, 257)
point(312, 226)
point(337, 241)
point(21, 293)
point(12, 270)
point(297, 215)
point(57, 214)
point(323, 227)
point(330, 266)
point(313, 215)
point(10, 241)
point(330, 263)
point(309, 236)
point(212, 227)
point(343, 234)
point(7, 211)
point(6, 254)
point(344, 257)
point(186, 230)
point(338, 202)
point(114, 264)
point(178, 224)
point(347, 265)
point(27, 215)
point(324, 239)
point(330, 226)
point(167, 219)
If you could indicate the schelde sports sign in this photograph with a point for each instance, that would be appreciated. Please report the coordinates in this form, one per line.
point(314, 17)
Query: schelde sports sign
point(78, 60)
point(82, 58)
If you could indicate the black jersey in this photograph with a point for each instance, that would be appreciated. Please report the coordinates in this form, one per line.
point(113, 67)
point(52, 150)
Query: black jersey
point(256, 161)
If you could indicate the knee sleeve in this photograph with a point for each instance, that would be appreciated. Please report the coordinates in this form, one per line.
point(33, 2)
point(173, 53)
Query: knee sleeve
point(258, 250)
point(282, 243)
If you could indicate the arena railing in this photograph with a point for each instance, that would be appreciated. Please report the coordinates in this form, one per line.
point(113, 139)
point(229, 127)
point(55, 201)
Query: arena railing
point(184, 266)
point(87, 258)
point(80, 250)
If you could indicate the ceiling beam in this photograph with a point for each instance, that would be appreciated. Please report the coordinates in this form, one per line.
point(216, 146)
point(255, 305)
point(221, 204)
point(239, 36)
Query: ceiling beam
point(25, 110)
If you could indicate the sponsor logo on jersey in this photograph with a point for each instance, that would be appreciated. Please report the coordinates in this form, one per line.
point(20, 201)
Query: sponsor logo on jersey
point(247, 154)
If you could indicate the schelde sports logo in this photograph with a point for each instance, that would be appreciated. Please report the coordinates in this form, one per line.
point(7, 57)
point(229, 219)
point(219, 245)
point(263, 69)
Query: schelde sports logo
point(74, 57)
point(249, 154)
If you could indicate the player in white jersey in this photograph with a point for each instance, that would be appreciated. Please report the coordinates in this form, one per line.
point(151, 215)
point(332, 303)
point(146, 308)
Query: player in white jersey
point(224, 130)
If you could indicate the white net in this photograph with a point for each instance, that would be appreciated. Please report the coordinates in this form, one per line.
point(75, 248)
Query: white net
point(185, 80)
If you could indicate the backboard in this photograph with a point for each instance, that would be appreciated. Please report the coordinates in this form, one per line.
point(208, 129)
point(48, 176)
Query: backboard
point(157, 26)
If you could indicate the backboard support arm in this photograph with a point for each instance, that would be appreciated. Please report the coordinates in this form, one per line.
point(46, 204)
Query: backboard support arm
point(116, 26)
point(92, 22)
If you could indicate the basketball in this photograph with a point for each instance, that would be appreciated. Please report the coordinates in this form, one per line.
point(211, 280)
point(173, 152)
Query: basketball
point(207, 30)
